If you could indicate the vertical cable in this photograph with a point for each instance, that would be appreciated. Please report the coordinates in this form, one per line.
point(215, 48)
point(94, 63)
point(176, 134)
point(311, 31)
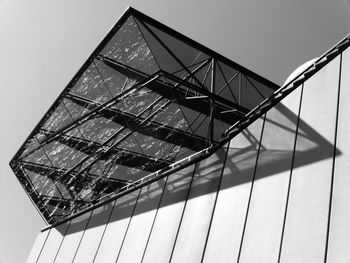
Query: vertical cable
point(82, 235)
point(104, 229)
point(290, 174)
point(216, 198)
point(127, 228)
point(251, 189)
point(333, 164)
point(64, 235)
point(54, 182)
point(183, 211)
point(42, 247)
point(155, 217)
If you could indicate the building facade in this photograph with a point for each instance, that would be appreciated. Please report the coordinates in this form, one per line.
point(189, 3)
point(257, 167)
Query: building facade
point(161, 150)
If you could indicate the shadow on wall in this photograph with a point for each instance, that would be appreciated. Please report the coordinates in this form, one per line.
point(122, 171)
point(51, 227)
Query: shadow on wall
point(275, 155)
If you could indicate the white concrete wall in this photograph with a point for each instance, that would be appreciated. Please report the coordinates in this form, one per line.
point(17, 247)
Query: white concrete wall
point(279, 192)
point(339, 233)
point(307, 214)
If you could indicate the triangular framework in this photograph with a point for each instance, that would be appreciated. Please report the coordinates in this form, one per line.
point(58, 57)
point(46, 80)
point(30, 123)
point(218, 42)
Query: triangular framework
point(145, 100)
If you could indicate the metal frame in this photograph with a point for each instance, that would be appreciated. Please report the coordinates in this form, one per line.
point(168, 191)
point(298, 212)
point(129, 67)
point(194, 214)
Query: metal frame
point(232, 131)
point(287, 88)
point(170, 89)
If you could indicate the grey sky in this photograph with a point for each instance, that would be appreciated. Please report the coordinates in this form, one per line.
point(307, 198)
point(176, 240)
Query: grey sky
point(44, 42)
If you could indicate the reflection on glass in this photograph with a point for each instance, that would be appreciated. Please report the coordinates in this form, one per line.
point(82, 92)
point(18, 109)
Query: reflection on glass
point(129, 47)
point(116, 123)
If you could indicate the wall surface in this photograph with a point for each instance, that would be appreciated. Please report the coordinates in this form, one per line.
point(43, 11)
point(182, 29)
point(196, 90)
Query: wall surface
point(279, 192)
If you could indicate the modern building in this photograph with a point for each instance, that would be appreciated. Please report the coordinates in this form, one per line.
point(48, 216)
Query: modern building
point(162, 150)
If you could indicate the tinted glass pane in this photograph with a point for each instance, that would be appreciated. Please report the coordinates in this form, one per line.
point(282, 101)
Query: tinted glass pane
point(33, 142)
point(224, 83)
point(228, 82)
point(115, 80)
point(62, 155)
point(75, 110)
point(203, 76)
point(43, 185)
point(125, 173)
point(251, 96)
point(171, 116)
point(137, 101)
point(161, 55)
point(58, 119)
point(263, 89)
point(38, 157)
point(92, 86)
point(129, 47)
point(186, 54)
point(97, 129)
point(115, 124)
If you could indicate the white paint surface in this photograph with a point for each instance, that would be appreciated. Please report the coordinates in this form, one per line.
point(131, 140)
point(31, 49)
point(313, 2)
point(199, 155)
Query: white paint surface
point(161, 242)
point(306, 225)
point(339, 241)
point(194, 227)
point(227, 225)
point(37, 247)
point(52, 244)
point(263, 232)
point(116, 228)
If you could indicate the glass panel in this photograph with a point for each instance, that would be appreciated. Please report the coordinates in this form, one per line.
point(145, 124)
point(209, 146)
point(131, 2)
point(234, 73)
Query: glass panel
point(38, 157)
point(197, 64)
point(116, 81)
point(100, 168)
point(43, 185)
point(219, 128)
point(224, 85)
point(200, 126)
point(99, 129)
point(73, 135)
point(62, 155)
point(250, 95)
point(137, 101)
point(154, 147)
point(185, 53)
point(92, 86)
point(155, 108)
point(130, 48)
point(33, 142)
point(263, 89)
point(126, 173)
point(58, 119)
point(118, 137)
point(130, 143)
point(64, 191)
point(76, 111)
point(171, 116)
point(147, 129)
point(134, 160)
point(227, 75)
point(204, 77)
point(161, 55)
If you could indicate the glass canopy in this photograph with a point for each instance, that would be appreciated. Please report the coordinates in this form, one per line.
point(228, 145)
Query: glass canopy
point(146, 98)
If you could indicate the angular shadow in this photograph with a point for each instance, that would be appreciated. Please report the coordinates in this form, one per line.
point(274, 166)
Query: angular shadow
point(240, 163)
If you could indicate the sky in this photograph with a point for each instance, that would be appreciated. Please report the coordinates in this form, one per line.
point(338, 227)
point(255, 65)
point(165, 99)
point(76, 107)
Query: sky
point(44, 42)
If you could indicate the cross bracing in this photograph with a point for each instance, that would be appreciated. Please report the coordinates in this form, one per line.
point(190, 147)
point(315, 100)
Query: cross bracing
point(146, 99)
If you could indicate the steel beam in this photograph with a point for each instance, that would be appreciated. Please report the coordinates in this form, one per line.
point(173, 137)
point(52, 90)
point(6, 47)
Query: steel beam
point(212, 103)
point(136, 74)
point(180, 89)
point(123, 157)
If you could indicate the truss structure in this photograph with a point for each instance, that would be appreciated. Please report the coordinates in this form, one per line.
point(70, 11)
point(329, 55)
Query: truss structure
point(147, 101)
